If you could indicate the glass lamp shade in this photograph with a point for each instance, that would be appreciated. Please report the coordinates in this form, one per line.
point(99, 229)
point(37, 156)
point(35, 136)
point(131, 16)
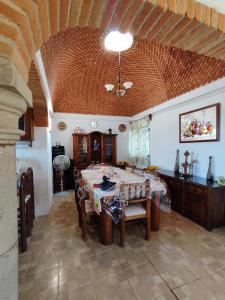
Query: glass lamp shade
point(109, 87)
point(120, 92)
point(127, 85)
point(117, 41)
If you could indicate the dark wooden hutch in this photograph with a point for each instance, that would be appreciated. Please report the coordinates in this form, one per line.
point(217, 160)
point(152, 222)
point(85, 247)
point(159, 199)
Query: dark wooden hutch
point(94, 147)
point(202, 202)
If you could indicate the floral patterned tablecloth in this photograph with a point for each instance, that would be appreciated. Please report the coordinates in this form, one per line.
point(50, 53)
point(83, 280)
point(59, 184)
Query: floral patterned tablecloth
point(94, 176)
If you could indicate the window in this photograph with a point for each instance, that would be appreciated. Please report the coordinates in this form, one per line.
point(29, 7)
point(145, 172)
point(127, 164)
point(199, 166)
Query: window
point(139, 141)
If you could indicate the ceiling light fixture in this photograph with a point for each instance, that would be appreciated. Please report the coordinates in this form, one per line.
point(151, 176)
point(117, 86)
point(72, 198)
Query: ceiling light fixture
point(121, 87)
point(117, 41)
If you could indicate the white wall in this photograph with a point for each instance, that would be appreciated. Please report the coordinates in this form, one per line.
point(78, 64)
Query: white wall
point(165, 130)
point(39, 158)
point(64, 137)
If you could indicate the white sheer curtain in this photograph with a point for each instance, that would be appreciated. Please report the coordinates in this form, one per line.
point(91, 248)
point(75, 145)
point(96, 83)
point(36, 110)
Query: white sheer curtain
point(139, 141)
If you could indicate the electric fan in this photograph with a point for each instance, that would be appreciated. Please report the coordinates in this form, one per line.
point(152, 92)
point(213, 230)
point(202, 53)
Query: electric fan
point(61, 163)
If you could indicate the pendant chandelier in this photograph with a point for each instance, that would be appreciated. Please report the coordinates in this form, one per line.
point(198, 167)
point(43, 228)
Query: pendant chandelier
point(122, 88)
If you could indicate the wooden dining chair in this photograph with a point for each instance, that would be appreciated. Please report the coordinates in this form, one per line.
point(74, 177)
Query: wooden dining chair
point(85, 209)
point(136, 204)
point(22, 215)
point(77, 183)
point(30, 179)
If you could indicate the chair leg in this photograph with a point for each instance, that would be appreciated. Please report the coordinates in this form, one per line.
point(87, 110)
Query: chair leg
point(148, 229)
point(122, 233)
point(28, 218)
point(79, 217)
point(148, 221)
point(23, 233)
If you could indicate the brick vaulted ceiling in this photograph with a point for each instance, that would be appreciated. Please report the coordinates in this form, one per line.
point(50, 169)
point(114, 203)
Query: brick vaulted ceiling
point(25, 25)
point(39, 102)
point(78, 66)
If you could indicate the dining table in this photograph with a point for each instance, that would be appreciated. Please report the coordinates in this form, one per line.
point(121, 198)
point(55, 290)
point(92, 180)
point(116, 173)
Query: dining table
point(93, 177)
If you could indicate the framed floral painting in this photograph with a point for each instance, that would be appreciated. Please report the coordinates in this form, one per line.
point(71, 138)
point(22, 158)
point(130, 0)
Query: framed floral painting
point(200, 125)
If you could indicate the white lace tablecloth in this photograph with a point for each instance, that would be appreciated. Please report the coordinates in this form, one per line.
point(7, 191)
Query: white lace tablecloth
point(94, 176)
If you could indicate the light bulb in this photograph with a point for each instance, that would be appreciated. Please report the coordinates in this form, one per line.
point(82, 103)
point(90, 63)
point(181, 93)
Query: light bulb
point(117, 41)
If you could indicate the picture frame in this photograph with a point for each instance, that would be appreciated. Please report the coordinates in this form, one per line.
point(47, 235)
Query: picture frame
point(200, 125)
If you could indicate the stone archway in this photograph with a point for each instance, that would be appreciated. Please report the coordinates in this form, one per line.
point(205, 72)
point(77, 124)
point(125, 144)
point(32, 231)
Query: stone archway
point(25, 25)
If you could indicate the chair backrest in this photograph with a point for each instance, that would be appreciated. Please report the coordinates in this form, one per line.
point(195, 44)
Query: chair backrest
point(76, 177)
point(82, 191)
point(23, 190)
point(134, 191)
point(30, 182)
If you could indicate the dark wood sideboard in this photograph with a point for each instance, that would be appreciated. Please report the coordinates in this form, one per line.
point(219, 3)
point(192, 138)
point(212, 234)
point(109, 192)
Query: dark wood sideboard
point(196, 199)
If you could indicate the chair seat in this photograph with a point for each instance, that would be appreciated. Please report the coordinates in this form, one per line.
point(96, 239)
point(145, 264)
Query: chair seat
point(133, 210)
point(88, 206)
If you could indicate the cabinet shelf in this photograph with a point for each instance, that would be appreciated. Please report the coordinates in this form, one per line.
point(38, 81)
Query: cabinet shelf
point(105, 153)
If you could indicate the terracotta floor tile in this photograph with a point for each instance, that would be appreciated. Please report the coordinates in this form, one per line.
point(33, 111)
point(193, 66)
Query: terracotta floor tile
point(194, 291)
point(104, 264)
point(181, 261)
point(146, 282)
point(215, 282)
point(74, 277)
point(114, 287)
point(83, 293)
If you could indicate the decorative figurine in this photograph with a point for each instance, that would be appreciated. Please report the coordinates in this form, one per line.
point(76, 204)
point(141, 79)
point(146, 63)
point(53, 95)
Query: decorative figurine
point(185, 164)
point(106, 184)
point(176, 168)
point(191, 166)
point(78, 130)
point(210, 177)
point(96, 145)
point(109, 131)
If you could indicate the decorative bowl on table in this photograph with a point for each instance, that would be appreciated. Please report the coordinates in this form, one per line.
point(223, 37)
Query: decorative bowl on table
point(151, 169)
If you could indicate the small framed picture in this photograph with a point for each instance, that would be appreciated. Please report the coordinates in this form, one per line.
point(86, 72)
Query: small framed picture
point(200, 125)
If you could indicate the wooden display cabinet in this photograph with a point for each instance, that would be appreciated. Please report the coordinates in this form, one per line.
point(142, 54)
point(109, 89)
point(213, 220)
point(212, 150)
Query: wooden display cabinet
point(202, 202)
point(109, 148)
point(95, 147)
point(81, 150)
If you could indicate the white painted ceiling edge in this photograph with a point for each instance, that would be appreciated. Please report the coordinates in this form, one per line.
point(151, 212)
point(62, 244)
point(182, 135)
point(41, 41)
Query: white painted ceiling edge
point(58, 115)
point(44, 80)
point(219, 5)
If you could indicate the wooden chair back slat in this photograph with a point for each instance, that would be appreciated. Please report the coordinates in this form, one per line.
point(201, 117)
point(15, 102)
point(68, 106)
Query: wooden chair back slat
point(26, 207)
point(141, 195)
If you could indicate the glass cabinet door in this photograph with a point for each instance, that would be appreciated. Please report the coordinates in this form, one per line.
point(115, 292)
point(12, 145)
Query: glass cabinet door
point(108, 148)
point(83, 149)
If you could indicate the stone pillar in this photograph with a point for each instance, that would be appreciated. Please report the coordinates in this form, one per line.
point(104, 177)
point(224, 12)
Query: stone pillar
point(11, 108)
point(12, 105)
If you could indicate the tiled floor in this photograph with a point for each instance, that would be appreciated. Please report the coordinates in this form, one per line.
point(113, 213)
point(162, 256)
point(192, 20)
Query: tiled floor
point(182, 261)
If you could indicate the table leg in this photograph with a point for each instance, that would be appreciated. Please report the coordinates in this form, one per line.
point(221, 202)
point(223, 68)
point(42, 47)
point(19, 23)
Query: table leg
point(155, 213)
point(106, 228)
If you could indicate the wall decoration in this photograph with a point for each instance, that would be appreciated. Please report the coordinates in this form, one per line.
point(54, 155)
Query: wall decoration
point(78, 130)
point(94, 124)
point(62, 125)
point(210, 177)
point(177, 163)
point(122, 127)
point(200, 125)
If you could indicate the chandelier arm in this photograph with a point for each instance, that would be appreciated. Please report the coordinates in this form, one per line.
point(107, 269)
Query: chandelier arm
point(122, 88)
